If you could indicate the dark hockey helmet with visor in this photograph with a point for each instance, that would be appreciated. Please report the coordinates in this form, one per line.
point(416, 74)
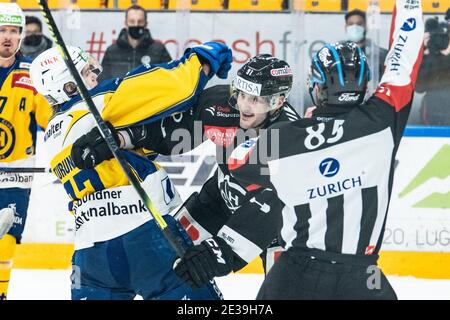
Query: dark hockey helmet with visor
point(341, 72)
point(263, 76)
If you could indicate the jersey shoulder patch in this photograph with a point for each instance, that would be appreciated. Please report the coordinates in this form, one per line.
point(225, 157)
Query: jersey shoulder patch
point(22, 80)
point(24, 65)
point(241, 154)
point(23, 62)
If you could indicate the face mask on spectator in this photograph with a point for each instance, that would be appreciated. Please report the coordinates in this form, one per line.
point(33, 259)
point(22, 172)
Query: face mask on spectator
point(136, 32)
point(355, 33)
point(33, 40)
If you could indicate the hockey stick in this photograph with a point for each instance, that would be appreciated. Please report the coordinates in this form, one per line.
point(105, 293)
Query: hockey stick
point(24, 170)
point(105, 131)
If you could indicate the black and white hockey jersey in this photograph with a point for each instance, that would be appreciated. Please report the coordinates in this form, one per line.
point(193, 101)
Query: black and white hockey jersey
point(335, 175)
point(223, 207)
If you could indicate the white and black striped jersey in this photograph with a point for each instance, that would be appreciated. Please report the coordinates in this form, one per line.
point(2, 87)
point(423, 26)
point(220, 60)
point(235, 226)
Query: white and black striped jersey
point(223, 207)
point(334, 173)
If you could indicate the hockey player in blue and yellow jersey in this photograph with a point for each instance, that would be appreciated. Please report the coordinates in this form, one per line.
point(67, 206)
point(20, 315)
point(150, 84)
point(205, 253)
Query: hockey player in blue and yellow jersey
point(22, 109)
point(119, 251)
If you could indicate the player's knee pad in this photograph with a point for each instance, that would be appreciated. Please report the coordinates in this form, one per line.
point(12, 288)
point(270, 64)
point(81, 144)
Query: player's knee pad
point(185, 216)
point(7, 248)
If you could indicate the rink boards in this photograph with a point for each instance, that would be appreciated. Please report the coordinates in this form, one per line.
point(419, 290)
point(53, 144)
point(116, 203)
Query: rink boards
point(417, 238)
point(416, 241)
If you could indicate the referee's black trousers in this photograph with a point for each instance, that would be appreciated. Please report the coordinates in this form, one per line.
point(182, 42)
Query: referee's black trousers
point(302, 275)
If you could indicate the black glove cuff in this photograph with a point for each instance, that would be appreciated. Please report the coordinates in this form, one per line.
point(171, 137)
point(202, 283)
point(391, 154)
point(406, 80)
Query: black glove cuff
point(138, 135)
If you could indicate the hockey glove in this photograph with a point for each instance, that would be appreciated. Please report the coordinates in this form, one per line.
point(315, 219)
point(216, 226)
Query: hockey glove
point(201, 263)
point(217, 55)
point(91, 149)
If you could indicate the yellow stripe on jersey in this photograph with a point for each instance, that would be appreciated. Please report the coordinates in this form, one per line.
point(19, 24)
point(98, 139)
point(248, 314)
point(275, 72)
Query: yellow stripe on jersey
point(111, 174)
point(143, 95)
point(19, 102)
point(146, 92)
point(43, 110)
point(79, 183)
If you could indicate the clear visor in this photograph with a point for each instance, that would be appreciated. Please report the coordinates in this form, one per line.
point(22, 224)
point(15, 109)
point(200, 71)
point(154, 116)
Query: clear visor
point(92, 66)
point(246, 96)
point(248, 103)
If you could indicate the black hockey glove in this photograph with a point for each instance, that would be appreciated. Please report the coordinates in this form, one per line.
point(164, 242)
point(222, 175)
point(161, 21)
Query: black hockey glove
point(91, 149)
point(201, 263)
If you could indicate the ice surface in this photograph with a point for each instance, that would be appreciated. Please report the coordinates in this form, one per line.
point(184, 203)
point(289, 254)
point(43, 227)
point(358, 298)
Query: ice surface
point(27, 284)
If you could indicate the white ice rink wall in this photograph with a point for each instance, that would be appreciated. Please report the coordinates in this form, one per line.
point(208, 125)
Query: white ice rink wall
point(417, 239)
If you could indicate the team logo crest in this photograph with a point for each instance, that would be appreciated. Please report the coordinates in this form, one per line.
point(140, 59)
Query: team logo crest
point(7, 138)
point(329, 167)
point(409, 25)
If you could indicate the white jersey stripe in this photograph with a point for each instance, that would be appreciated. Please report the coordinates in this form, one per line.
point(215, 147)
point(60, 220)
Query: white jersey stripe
point(288, 233)
point(246, 249)
point(383, 196)
point(352, 222)
point(317, 224)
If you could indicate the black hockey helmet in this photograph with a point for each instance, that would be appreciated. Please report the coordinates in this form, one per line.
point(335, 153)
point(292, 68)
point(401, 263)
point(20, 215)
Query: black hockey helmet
point(264, 76)
point(341, 72)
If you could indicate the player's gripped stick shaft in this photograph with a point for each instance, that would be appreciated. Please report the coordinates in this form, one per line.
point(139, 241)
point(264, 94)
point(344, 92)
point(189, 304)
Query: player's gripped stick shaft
point(24, 170)
point(105, 131)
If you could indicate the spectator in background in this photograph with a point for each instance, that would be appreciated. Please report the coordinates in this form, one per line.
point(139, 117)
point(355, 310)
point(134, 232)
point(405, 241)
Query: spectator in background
point(135, 46)
point(355, 30)
point(434, 74)
point(35, 42)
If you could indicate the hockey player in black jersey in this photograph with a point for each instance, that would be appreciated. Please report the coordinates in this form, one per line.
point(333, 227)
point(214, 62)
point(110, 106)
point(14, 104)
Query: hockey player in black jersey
point(259, 94)
point(334, 173)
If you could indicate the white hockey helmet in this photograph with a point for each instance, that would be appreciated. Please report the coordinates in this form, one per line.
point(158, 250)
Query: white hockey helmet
point(52, 78)
point(12, 15)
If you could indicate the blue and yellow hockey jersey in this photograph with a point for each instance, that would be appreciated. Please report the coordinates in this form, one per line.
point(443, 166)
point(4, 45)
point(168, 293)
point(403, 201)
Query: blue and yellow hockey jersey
point(104, 204)
point(22, 109)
